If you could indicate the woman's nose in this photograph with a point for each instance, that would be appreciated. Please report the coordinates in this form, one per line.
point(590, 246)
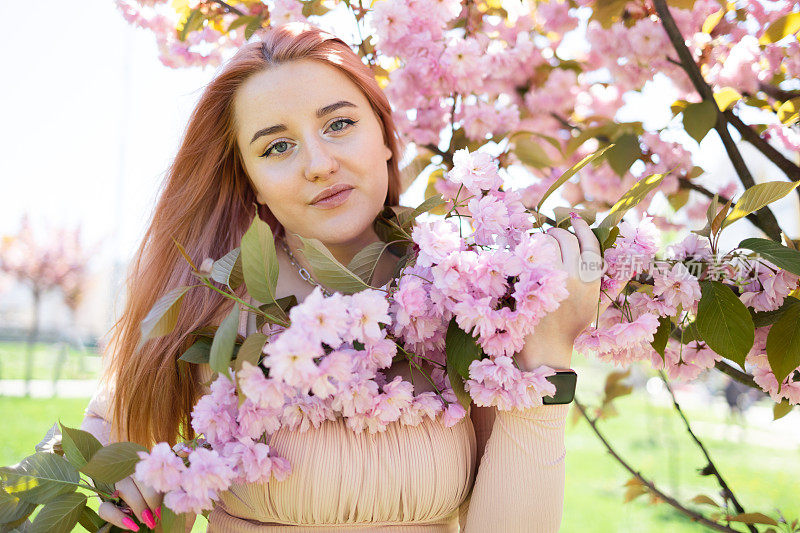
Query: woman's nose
point(321, 160)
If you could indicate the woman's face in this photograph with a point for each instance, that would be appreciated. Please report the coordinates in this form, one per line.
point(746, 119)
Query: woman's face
point(305, 132)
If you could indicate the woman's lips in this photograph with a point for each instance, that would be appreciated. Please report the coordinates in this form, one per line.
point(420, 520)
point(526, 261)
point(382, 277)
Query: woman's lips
point(333, 201)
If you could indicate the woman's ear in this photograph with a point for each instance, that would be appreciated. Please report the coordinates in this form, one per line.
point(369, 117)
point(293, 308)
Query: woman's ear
point(387, 152)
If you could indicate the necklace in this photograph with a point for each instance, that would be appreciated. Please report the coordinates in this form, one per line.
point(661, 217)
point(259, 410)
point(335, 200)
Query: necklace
point(304, 274)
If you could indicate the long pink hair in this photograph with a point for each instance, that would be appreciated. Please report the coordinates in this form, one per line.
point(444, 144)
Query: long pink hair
point(206, 204)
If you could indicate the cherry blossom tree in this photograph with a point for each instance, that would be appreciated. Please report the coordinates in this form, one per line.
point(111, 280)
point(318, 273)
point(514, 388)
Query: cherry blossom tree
point(58, 262)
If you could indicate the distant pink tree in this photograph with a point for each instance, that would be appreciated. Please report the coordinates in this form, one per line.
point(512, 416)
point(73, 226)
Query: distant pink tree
point(56, 262)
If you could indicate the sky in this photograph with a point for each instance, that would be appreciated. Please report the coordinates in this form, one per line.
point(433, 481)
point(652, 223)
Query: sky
point(94, 119)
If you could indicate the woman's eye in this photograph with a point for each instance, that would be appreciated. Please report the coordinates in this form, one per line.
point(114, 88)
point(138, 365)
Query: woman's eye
point(340, 124)
point(279, 147)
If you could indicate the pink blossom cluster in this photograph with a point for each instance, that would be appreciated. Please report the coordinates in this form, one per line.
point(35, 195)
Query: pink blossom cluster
point(498, 382)
point(193, 487)
point(771, 286)
point(759, 367)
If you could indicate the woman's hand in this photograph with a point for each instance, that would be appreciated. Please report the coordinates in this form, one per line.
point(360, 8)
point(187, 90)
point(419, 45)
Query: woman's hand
point(552, 340)
point(143, 501)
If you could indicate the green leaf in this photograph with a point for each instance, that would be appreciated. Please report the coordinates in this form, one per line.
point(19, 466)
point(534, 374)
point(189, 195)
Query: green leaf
point(163, 316)
point(198, 353)
point(274, 310)
point(783, 27)
point(661, 335)
point(783, 342)
point(782, 256)
point(79, 446)
point(699, 118)
point(758, 196)
point(228, 269)
point(753, 518)
point(407, 218)
point(172, 522)
point(623, 153)
point(724, 322)
point(193, 22)
point(779, 410)
point(364, 263)
point(531, 153)
point(461, 349)
point(241, 21)
point(13, 509)
point(39, 478)
point(328, 270)
point(251, 349)
point(252, 27)
point(59, 516)
point(571, 172)
point(767, 318)
point(51, 441)
point(630, 199)
point(111, 463)
point(90, 520)
point(260, 261)
point(224, 340)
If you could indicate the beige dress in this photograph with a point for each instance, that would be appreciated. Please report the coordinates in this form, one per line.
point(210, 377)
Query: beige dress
point(406, 479)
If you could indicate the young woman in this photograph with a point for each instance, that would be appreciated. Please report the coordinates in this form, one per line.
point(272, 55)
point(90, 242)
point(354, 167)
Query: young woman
point(294, 129)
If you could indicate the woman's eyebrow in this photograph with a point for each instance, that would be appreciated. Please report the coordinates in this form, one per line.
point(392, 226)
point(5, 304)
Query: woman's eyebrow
point(321, 112)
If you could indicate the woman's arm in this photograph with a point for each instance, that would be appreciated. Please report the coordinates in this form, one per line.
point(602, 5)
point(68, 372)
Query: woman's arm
point(520, 481)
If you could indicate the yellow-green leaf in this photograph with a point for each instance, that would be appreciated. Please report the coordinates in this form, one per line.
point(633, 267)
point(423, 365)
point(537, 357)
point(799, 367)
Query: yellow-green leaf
point(779, 410)
point(753, 518)
point(59, 516)
point(571, 172)
point(531, 153)
point(250, 350)
point(163, 316)
point(259, 261)
point(726, 97)
point(328, 270)
point(724, 322)
point(789, 111)
point(783, 27)
point(624, 152)
point(224, 340)
point(113, 462)
point(758, 196)
point(630, 199)
point(783, 342)
point(703, 499)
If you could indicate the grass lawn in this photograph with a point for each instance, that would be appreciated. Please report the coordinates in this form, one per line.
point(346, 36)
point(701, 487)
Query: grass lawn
point(47, 361)
point(650, 437)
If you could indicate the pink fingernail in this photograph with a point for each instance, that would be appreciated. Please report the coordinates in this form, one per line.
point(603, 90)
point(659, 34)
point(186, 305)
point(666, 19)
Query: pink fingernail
point(573, 215)
point(130, 524)
point(147, 518)
point(158, 512)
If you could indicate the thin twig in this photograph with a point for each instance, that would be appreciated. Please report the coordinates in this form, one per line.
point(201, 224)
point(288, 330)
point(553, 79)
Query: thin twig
point(687, 183)
point(769, 224)
point(727, 493)
point(228, 7)
point(650, 486)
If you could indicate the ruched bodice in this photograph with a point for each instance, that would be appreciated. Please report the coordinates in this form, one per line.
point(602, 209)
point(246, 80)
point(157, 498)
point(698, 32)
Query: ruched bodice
point(409, 475)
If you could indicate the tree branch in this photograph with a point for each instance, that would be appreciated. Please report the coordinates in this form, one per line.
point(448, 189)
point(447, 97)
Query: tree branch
point(727, 493)
point(737, 375)
point(697, 517)
point(776, 92)
point(699, 188)
point(791, 170)
point(768, 223)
